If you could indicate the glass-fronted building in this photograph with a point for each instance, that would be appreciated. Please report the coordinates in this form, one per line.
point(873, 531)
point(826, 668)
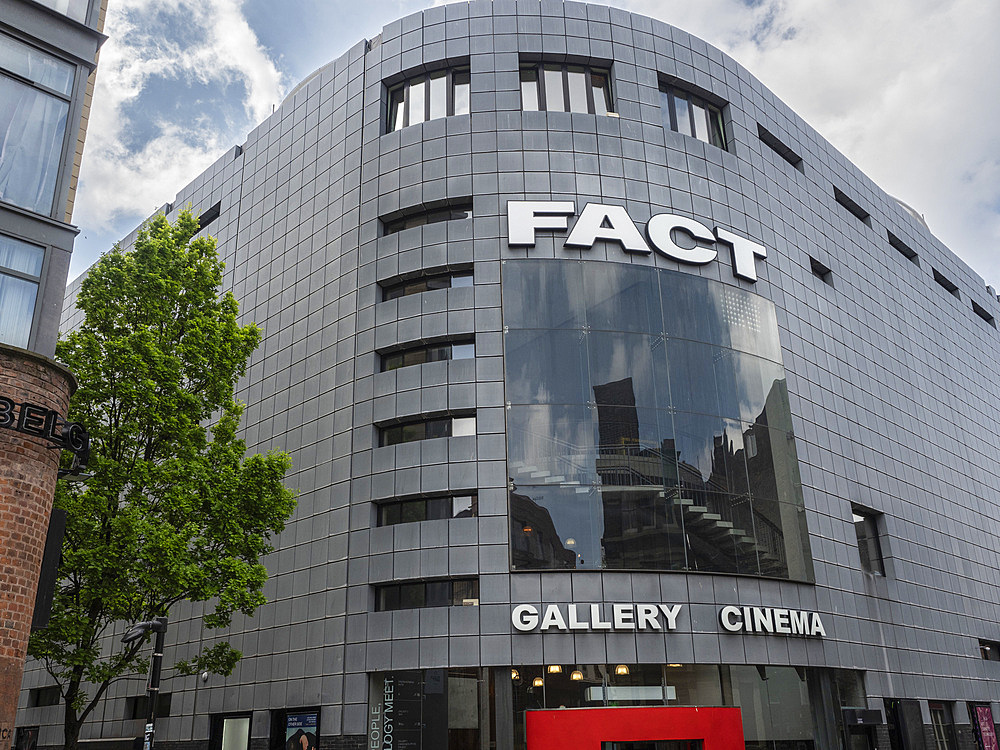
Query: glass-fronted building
point(625, 413)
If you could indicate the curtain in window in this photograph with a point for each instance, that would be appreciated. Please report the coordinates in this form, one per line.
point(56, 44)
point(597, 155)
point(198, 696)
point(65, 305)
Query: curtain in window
point(17, 308)
point(75, 9)
point(32, 130)
point(20, 256)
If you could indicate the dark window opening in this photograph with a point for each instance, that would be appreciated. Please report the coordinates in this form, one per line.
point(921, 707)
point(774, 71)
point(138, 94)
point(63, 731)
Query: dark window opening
point(866, 528)
point(905, 250)
point(430, 96)
point(771, 141)
point(460, 210)
point(551, 87)
point(434, 508)
point(44, 696)
point(822, 271)
point(209, 215)
point(427, 429)
point(944, 281)
point(137, 707)
point(989, 650)
point(423, 353)
point(689, 114)
point(459, 592)
point(427, 283)
point(851, 206)
point(26, 738)
point(981, 312)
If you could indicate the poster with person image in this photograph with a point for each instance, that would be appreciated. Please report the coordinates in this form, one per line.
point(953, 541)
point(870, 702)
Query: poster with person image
point(302, 731)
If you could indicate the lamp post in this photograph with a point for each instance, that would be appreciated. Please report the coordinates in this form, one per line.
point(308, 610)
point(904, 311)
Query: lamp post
point(159, 627)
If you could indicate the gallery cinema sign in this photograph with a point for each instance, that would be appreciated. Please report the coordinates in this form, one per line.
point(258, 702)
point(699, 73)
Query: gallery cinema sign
point(526, 617)
point(776, 620)
point(598, 221)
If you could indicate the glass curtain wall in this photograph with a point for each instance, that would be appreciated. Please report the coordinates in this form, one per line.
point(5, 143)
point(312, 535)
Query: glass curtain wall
point(648, 424)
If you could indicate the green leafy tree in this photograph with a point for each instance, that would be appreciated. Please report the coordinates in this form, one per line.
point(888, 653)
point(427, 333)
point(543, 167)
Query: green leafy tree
point(175, 509)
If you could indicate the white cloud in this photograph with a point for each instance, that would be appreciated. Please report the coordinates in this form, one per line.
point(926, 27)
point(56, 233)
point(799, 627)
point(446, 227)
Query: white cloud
point(220, 49)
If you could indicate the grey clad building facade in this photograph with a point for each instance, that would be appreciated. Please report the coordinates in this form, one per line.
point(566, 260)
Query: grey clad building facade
point(617, 399)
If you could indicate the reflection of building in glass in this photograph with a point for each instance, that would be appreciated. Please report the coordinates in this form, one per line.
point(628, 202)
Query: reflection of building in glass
point(534, 536)
point(671, 486)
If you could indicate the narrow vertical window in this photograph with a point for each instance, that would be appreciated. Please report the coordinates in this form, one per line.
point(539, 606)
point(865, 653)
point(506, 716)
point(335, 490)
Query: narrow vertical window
point(555, 97)
point(601, 93)
point(866, 529)
point(438, 96)
point(462, 80)
point(529, 89)
point(415, 109)
point(577, 79)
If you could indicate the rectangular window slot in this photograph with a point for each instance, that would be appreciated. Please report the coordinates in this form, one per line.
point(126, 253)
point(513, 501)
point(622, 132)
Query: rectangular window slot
point(823, 272)
point(419, 354)
point(771, 141)
point(554, 87)
point(946, 283)
point(689, 114)
point(851, 206)
point(458, 592)
point(983, 314)
point(428, 96)
point(427, 282)
point(866, 527)
point(433, 508)
point(44, 696)
point(908, 252)
point(989, 650)
point(452, 212)
point(138, 707)
point(427, 428)
point(209, 215)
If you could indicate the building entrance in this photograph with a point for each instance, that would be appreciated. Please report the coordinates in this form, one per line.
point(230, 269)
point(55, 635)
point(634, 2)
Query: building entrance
point(640, 728)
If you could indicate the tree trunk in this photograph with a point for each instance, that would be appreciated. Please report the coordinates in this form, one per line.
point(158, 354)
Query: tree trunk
point(71, 727)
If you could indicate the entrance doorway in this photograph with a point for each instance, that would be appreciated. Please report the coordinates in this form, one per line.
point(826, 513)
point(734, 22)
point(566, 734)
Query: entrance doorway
point(635, 728)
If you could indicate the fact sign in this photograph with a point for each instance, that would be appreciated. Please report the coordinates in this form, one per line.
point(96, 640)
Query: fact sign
point(611, 223)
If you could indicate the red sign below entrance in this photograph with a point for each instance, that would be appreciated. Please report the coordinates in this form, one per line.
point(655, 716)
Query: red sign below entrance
point(587, 728)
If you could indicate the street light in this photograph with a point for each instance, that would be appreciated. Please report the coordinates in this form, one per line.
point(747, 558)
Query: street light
point(158, 626)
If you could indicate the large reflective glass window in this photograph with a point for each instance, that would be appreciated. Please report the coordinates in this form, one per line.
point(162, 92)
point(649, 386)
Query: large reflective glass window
point(648, 423)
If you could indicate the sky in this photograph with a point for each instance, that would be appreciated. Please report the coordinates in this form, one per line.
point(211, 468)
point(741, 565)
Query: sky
point(906, 89)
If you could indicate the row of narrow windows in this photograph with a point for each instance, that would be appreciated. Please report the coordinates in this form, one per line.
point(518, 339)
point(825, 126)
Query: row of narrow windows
point(822, 271)
point(548, 87)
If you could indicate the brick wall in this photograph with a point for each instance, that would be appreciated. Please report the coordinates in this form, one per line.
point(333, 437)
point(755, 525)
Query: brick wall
point(28, 468)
